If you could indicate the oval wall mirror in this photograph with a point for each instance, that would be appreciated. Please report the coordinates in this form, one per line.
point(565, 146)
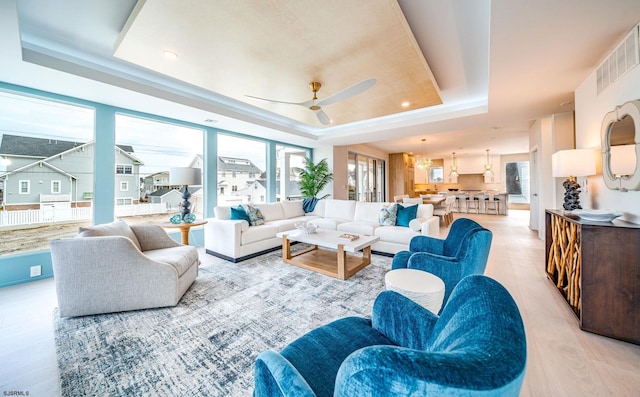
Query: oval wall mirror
point(620, 133)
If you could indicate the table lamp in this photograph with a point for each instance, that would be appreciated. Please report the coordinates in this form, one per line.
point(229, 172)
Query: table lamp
point(571, 164)
point(185, 176)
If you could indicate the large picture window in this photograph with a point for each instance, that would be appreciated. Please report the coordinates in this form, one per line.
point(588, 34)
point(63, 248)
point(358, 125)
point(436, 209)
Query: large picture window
point(241, 170)
point(43, 195)
point(146, 151)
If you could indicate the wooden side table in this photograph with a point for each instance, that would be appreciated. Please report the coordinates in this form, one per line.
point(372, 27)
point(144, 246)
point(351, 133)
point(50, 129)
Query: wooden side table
point(184, 229)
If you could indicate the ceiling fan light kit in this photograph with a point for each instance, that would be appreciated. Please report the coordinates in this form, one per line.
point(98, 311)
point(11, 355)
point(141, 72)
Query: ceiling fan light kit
point(315, 105)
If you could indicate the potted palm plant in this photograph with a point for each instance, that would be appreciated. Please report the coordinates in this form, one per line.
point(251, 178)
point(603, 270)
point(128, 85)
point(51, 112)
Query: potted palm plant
point(313, 178)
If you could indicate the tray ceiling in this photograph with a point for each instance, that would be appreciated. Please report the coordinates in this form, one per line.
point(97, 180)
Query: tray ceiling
point(274, 49)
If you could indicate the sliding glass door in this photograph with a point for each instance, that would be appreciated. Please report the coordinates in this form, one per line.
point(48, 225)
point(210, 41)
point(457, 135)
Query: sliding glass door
point(365, 178)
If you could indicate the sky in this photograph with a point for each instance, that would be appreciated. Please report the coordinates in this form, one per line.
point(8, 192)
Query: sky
point(159, 145)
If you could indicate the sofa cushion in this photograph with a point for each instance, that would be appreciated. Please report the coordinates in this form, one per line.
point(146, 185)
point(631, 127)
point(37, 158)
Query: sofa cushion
point(367, 212)
point(329, 224)
point(339, 209)
point(388, 214)
point(255, 215)
point(258, 233)
point(115, 228)
point(271, 211)
point(366, 228)
point(292, 209)
point(222, 212)
point(395, 234)
point(181, 257)
point(406, 214)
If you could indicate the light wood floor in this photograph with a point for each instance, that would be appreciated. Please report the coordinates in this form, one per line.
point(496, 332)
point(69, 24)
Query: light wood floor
point(562, 359)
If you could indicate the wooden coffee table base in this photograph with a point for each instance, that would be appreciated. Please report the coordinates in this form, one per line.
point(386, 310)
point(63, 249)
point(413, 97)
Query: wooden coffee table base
point(331, 263)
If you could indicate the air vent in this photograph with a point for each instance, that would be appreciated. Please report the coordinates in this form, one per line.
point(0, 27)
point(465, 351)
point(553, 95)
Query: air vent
point(622, 59)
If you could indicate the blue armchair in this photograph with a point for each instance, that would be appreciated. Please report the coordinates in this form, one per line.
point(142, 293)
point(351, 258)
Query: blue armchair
point(464, 252)
point(476, 347)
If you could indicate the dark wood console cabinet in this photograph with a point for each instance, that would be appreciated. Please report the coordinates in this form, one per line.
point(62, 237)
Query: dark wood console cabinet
point(596, 268)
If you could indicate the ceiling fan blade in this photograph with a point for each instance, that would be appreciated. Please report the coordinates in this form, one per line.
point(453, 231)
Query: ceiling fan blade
point(322, 117)
point(274, 101)
point(348, 92)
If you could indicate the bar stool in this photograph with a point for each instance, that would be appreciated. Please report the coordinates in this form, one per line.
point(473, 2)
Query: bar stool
point(473, 203)
point(492, 204)
point(456, 205)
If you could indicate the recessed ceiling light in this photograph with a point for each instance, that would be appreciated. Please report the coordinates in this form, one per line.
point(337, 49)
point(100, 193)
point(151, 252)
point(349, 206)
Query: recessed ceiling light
point(405, 104)
point(170, 54)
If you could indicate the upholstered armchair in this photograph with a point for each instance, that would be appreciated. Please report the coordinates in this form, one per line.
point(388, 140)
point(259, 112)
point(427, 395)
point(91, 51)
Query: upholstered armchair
point(116, 267)
point(476, 347)
point(465, 251)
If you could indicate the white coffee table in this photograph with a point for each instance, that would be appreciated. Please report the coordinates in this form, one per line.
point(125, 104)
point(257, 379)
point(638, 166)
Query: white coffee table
point(422, 287)
point(320, 259)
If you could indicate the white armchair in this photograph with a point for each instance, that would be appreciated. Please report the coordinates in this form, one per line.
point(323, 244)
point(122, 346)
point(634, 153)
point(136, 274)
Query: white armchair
point(116, 267)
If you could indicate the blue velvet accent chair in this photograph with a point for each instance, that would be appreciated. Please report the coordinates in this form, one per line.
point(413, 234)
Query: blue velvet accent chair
point(476, 347)
point(464, 252)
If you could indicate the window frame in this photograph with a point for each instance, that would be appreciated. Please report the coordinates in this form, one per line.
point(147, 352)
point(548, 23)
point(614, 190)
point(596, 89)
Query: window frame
point(56, 191)
point(28, 185)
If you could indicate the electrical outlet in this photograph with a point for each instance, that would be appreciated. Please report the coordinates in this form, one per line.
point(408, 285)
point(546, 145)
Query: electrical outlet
point(36, 271)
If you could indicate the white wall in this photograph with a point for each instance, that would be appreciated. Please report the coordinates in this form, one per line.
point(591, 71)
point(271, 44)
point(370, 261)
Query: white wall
point(590, 110)
point(547, 136)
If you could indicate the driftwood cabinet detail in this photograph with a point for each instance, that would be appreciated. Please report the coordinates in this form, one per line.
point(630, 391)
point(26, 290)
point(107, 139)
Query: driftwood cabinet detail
point(596, 268)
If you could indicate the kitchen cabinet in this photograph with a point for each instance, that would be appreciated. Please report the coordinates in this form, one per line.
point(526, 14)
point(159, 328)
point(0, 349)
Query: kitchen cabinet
point(401, 175)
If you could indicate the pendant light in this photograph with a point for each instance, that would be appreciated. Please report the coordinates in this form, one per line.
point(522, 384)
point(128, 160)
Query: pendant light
point(487, 166)
point(423, 163)
point(454, 166)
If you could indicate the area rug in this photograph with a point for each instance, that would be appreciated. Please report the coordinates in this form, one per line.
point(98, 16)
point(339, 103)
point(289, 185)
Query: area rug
point(207, 344)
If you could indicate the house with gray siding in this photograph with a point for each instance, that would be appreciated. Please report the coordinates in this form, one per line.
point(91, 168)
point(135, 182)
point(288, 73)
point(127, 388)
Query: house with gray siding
point(39, 172)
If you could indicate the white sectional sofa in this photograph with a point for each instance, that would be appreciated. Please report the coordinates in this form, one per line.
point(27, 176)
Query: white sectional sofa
point(235, 240)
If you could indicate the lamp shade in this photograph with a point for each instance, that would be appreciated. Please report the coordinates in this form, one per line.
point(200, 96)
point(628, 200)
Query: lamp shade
point(574, 162)
point(623, 160)
point(185, 176)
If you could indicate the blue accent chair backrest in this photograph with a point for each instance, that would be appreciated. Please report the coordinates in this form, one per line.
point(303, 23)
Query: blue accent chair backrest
point(464, 252)
point(476, 347)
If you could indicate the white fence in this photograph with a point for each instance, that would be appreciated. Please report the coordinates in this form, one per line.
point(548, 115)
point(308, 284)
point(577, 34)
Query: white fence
point(52, 215)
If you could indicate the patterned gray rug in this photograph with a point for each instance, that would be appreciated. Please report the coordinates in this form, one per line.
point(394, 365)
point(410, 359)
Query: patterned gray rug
point(207, 344)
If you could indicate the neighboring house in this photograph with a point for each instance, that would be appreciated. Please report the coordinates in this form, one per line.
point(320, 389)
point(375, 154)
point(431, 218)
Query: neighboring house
point(173, 198)
point(154, 182)
point(234, 175)
point(45, 172)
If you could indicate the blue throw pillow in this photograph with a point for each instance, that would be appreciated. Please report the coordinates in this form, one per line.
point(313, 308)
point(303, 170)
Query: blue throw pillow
point(239, 214)
point(406, 215)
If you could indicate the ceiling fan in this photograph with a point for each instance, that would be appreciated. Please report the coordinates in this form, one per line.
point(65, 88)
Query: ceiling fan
point(315, 105)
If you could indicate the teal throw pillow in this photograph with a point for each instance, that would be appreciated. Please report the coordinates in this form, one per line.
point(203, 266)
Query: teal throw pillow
point(406, 215)
point(388, 215)
point(255, 216)
point(238, 213)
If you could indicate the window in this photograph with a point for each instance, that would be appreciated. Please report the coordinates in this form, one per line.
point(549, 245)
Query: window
point(55, 187)
point(289, 161)
point(365, 178)
point(29, 121)
point(124, 169)
point(517, 182)
point(25, 187)
point(436, 174)
point(239, 157)
point(147, 150)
